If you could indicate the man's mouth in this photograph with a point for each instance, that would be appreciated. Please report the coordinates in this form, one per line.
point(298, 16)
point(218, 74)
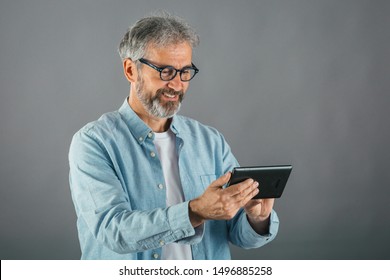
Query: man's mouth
point(171, 95)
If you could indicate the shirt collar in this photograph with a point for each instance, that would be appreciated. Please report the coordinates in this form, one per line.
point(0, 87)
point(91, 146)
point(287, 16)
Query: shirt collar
point(175, 125)
point(137, 126)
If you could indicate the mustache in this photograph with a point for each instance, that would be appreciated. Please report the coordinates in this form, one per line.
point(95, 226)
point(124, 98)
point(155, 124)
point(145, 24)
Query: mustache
point(161, 91)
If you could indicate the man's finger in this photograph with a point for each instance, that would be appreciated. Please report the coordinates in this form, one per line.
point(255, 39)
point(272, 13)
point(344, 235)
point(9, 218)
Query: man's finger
point(249, 196)
point(221, 180)
point(251, 191)
point(241, 189)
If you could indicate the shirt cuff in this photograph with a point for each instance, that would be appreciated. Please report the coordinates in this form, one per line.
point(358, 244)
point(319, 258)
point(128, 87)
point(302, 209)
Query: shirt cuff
point(182, 229)
point(255, 239)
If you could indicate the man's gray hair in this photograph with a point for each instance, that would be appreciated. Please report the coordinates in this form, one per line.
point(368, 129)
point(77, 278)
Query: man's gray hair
point(158, 30)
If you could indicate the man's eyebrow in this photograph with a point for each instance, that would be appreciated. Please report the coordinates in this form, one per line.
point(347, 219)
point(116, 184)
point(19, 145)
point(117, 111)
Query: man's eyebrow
point(168, 65)
point(186, 66)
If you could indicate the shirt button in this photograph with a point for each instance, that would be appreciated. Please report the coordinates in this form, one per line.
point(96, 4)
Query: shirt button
point(152, 154)
point(155, 256)
point(160, 186)
point(140, 139)
point(150, 134)
point(162, 243)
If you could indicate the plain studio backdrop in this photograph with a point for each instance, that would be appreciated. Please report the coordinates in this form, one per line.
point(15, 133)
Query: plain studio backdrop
point(287, 82)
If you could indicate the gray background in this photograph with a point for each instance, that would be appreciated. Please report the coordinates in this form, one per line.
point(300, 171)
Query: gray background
point(300, 82)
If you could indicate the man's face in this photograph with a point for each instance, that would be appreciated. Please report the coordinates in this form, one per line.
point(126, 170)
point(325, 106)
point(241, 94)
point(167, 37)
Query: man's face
point(162, 99)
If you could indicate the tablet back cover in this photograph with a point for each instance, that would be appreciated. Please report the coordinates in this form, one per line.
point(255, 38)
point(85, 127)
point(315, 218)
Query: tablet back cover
point(272, 179)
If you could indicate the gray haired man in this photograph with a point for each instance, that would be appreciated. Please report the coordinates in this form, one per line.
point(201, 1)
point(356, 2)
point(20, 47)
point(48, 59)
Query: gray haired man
point(146, 182)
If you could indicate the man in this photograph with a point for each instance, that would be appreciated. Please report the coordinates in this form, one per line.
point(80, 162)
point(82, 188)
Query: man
point(147, 183)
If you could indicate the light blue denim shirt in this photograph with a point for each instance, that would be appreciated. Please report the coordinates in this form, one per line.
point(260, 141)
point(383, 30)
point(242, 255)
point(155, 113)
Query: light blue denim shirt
point(118, 190)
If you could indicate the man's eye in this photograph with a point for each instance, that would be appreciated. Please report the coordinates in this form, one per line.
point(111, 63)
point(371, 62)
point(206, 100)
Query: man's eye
point(167, 71)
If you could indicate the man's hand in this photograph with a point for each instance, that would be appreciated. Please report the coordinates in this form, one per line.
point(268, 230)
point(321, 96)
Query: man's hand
point(258, 212)
point(217, 203)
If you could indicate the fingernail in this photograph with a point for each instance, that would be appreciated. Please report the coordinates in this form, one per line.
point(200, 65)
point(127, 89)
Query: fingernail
point(256, 184)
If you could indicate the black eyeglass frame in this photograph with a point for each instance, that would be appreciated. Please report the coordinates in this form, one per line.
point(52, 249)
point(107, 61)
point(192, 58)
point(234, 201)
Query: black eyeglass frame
point(160, 69)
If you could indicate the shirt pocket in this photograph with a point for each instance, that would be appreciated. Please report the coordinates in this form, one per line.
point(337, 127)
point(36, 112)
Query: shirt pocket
point(207, 179)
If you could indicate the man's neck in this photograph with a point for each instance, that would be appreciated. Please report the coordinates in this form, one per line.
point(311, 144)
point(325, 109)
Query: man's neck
point(156, 124)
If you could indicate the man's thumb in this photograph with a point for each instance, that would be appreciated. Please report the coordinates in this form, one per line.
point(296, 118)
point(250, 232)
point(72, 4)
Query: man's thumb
point(221, 180)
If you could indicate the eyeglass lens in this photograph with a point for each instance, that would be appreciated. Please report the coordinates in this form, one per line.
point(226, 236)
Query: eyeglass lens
point(186, 74)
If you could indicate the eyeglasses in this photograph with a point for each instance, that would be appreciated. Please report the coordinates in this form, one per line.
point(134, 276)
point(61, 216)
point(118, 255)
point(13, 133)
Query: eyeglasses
point(168, 73)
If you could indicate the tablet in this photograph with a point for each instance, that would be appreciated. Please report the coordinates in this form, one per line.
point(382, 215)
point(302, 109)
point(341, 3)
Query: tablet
point(272, 179)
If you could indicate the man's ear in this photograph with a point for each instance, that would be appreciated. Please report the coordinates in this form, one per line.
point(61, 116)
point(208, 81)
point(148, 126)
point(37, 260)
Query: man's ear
point(130, 70)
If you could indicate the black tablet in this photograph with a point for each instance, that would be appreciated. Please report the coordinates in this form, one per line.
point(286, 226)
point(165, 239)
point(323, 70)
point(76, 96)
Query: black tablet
point(272, 179)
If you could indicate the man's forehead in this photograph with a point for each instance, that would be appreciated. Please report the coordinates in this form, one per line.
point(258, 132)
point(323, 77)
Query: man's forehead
point(178, 51)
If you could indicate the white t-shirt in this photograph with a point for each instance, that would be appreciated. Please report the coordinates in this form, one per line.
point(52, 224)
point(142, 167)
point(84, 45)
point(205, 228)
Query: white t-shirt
point(165, 144)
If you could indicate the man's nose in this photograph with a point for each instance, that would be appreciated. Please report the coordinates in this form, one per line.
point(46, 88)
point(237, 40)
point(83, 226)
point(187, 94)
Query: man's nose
point(176, 84)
